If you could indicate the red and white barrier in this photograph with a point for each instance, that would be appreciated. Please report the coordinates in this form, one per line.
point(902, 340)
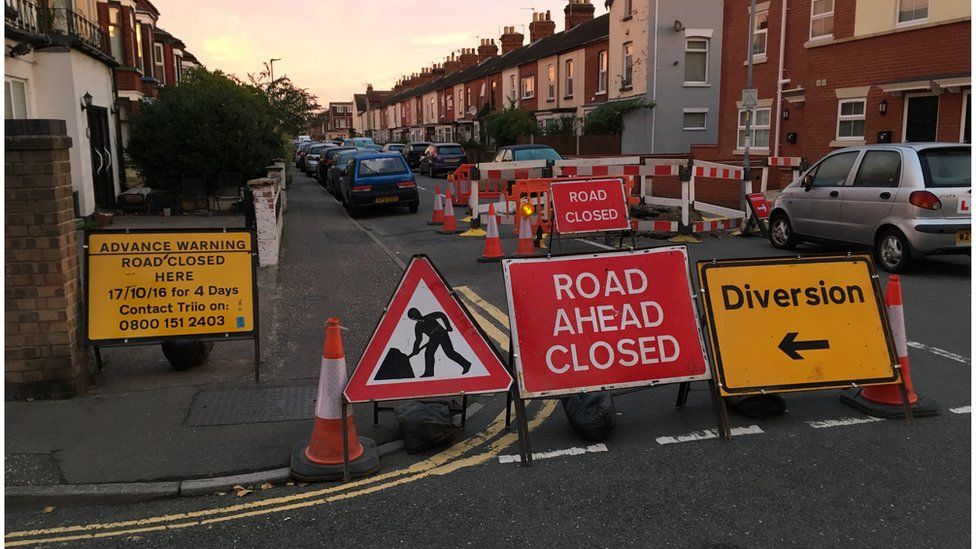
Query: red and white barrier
point(598, 167)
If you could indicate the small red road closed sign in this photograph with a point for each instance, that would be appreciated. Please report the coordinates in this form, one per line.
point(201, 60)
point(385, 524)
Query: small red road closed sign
point(426, 345)
point(603, 321)
point(589, 206)
point(759, 205)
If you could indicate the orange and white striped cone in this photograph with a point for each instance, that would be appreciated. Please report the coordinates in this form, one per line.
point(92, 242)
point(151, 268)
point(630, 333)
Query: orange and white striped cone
point(450, 222)
point(886, 400)
point(437, 218)
point(320, 458)
point(493, 243)
point(526, 240)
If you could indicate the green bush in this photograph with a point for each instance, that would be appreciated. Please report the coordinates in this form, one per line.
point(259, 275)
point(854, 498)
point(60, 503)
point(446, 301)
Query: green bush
point(608, 119)
point(208, 124)
point(505, 127)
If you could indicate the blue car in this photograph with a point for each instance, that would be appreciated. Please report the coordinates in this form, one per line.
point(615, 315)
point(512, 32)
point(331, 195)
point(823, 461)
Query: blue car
point(378, 179)
point(442, 158)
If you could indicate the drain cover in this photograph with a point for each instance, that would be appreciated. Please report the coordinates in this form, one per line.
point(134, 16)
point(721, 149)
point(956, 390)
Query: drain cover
point(240, 406)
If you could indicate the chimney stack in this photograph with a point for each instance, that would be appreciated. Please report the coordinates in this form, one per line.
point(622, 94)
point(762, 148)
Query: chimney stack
point(511, 40)
point(451, 65)
point(469, 57)
point(436, 71)
point(487, 49)
point(578, 12)
point(542, 26)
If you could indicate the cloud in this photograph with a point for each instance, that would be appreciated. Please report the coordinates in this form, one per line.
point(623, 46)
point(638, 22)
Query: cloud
point(441, 39)
point(229, 47)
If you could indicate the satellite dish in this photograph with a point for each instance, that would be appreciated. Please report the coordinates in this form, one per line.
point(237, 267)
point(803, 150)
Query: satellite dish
point(472, 111)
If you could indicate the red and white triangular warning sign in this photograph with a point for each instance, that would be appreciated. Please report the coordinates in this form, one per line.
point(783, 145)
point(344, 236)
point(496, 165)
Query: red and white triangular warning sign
point(426, 345)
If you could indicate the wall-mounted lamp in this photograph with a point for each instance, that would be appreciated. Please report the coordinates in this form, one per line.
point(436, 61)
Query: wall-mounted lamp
point(678, 26)
point(883, 106)
point(786, 114)
point(86, 101)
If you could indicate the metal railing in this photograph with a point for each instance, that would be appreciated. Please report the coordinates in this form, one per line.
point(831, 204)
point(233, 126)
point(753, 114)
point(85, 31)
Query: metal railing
point(26, 15)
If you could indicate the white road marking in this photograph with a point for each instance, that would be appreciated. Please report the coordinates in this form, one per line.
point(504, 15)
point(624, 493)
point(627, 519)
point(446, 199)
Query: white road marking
point(422, 188)
point(843, 422)
point(574, 451)
point(710, 433)
point(597, 244)
point(937, 351)
point(962, 410)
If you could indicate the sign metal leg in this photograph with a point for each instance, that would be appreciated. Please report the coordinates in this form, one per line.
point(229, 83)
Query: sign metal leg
point(909, 415)
point(98, 357)
point(257, 358)
point(683, 389)
point(523, 428)
point(724, 427)
point(508, 409)
point(464, 410)
point(345, 442)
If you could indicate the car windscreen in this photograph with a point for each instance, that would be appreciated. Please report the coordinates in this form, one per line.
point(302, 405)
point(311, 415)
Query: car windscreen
point(332, 153)
point(317, 149)
point(537, 154)
point(381, 166)
point(450, 151)
point(946, 167)
point(395, 147)
point(343, 158)
point(419, 147)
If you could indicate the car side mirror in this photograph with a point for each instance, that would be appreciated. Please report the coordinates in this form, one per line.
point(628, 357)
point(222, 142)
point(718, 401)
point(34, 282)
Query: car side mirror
point(807, 182)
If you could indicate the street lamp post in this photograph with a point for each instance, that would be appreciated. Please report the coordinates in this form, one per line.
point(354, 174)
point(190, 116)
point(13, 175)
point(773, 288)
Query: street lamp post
point(750, 111)
point(271, 67)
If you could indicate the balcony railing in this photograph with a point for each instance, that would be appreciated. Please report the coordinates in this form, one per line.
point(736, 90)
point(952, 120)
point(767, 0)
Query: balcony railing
point(29, 17)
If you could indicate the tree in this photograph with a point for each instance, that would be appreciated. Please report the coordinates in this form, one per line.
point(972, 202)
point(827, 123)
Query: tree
point(210, 123)
point(562, 125)
point(292, 108)
point(507, 126)
point(608, 119)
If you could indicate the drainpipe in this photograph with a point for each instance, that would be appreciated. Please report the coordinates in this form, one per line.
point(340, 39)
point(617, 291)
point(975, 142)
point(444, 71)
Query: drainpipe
point(779, 79)
point(654, 85)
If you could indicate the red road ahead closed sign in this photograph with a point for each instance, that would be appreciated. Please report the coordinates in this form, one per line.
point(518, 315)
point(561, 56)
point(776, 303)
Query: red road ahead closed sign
point(590, 206)
point(606, 321)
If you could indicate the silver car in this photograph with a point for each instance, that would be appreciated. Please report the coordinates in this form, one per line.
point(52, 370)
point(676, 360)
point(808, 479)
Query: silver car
point(902, 200)
point(312, 158)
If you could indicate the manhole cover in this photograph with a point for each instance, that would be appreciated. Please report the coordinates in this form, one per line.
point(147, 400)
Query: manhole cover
point(239, 406)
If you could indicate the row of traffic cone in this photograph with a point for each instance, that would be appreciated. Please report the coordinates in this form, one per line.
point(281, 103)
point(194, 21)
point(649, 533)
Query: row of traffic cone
point(493, 243)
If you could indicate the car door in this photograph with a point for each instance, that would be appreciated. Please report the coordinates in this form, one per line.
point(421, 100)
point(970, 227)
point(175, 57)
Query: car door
point(815, 211)
point(870, 197)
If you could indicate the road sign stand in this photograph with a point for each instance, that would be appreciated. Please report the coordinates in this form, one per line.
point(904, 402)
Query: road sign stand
point(756, 221)
point(555, 233)
point(346, 477)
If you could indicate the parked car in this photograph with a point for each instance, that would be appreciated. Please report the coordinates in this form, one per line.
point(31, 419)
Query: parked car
point(360, 142)
point(393, 147)
point(442, 157)
point(378, 179)
point(338, 168)
point(514, 153)
point(325, 162)
point(902, 200)
point(413, 151)
point(312, 158)
point(301, 152)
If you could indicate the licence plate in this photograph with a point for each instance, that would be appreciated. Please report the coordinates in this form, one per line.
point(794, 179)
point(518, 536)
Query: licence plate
point(452, 160)
point(387, 199)
point(964, 238)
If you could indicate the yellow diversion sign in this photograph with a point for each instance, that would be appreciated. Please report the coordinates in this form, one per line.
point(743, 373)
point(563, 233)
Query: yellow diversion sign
point(152, 285)
point(790, 324)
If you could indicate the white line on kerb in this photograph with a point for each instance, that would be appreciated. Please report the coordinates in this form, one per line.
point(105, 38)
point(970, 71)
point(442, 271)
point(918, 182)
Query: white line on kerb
point(710, 433)
point(941, 352)
point(962, 410)
point(574, 451)
point(843, 422)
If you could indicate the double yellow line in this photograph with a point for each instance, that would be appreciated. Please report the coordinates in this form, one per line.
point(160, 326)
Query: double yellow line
point(449, 461)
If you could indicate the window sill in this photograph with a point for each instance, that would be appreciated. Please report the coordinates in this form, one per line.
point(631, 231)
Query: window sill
point(604, 92)
point(764, 151)
point(839, 143)
point(567, 98)
point(696, 85)
point(627, 18)
point(626, 88)
point(756, 60)
point(551, 100)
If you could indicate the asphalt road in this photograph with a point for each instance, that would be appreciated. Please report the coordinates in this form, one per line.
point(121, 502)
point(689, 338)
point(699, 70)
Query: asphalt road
point(822, 475)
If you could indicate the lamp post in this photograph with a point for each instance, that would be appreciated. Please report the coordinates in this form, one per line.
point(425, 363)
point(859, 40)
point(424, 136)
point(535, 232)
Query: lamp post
point(271, 67)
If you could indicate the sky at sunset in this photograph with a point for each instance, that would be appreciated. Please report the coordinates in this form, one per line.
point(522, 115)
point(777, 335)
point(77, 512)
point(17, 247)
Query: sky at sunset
point(334, 48)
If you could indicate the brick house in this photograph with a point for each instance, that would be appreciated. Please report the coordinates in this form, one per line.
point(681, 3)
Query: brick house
point(834, 73)
point(340, 120)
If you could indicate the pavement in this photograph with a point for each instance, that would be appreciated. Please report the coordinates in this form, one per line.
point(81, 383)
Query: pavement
point(821, 475)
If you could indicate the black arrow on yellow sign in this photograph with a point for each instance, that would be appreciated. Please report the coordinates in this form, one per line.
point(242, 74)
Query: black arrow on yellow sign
point(790, 345)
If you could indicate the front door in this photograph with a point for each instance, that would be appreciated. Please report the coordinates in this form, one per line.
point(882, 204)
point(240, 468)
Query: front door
point(921, 118)
point(101, 155)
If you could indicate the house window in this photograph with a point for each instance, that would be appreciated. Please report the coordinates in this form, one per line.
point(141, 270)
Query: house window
point(601, 74)
point(759, 33)
point(569, 78)
point(467, 97)
point(694, 119)
point(159, 64)
point(140, 60)
point(628, 8)
point(551, 84)
point(115, 35)
point(15, 98)
point(696, 61)
point(912, 11)
point(821, 19)
point(528, 87)
point(433, 111)
point(482, 93)
point(494, 88)
point(178, 63)
point(460, 102)
point(628, 68)
point(511, 86)
point(450, 101)
point(759, 132)
point(850, 119)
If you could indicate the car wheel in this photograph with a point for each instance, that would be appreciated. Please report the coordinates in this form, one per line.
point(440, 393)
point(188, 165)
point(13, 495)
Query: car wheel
point(892, 251)
point(414, 208)
point(781, 234)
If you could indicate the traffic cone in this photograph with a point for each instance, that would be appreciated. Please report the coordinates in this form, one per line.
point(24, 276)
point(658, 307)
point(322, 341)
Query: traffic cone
point(320, 458)
point(438, 216)
point(450, 222)
point(526, 240)
point(493, 243)
point(886, 400)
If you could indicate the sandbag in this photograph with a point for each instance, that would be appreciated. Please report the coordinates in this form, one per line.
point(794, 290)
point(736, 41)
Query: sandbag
point(758, 406)
point(592, 415)
point(426, 425)
point(184, 354)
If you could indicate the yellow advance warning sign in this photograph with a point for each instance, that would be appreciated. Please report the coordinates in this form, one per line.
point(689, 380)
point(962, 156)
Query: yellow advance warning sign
point(791, 324)
point(149, 285)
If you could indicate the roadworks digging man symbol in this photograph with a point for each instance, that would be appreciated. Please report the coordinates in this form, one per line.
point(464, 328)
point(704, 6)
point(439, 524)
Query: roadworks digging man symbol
point(436, 327)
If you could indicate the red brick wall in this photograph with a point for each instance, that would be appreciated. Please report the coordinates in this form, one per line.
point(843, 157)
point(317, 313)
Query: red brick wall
point(169, 65)
point(527, 70)
point(591, 76)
